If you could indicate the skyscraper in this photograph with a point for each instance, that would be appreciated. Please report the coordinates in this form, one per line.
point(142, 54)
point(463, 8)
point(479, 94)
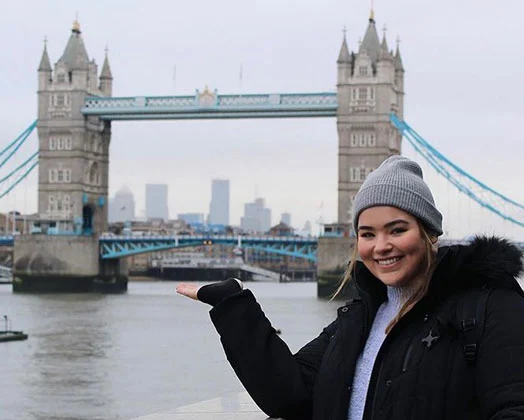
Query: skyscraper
point(286, 218)
point(156, 201)
point(257, 218)
point(122, 206)
point(219, 206)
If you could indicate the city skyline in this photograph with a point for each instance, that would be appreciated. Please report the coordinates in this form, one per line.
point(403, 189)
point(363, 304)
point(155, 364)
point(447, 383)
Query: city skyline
point(460, 102)
point(123, 203)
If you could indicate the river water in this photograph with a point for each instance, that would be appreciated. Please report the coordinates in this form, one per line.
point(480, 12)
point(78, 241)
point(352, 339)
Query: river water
point(112, 357)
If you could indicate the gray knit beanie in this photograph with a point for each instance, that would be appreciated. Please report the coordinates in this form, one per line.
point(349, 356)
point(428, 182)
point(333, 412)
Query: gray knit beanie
point(398, 182)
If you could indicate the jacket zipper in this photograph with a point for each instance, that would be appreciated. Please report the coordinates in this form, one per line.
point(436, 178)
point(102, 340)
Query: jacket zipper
point(407, 358)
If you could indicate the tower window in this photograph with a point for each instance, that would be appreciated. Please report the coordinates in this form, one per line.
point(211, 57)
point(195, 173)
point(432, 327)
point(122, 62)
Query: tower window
point(60, 78)
point(70, 74)
point(59, 100)
point(363, 70)
point(362, 93)
point(354, 139)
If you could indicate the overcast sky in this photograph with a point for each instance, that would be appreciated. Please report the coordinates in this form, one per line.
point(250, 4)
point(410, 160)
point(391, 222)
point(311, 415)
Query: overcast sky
point(464, 93)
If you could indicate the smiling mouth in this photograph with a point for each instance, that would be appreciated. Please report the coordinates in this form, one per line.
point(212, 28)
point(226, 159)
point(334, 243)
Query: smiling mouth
point(388, 261)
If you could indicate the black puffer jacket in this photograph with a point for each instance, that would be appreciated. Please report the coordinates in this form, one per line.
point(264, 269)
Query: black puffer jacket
point(410, 380)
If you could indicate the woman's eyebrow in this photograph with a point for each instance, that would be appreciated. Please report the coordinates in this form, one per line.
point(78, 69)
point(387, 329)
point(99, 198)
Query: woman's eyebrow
point(387, 225)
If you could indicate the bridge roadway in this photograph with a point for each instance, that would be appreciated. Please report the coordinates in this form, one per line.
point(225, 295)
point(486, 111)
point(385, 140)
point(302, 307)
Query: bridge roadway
point(210, 105)
point(118, 246)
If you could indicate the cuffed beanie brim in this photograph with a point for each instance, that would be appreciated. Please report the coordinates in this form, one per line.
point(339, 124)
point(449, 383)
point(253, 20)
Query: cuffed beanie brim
point(398, 182)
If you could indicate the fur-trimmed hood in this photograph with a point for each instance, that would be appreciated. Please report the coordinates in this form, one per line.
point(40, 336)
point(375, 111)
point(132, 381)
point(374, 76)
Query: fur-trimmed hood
point(486, 262)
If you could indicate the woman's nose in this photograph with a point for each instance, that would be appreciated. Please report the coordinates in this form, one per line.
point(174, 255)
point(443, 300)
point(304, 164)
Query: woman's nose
point(383, 244)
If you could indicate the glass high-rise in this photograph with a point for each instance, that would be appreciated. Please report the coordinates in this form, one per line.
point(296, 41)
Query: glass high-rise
point(156, 202)
point(219, 206)
point(122, 206)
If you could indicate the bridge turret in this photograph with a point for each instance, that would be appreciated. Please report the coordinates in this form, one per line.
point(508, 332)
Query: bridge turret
point(106, 78)
point(45, 72)
point(344, 65)
point(399, 80)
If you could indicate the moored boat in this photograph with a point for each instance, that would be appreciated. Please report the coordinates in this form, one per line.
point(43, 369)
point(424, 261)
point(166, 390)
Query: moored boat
point(12, 336)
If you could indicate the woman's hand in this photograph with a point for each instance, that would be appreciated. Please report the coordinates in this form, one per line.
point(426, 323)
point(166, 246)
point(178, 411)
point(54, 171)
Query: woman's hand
point(188, 289)
point(211, 293)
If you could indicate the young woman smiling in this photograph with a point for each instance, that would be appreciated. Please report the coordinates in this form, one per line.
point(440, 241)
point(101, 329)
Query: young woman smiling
point(437, 333)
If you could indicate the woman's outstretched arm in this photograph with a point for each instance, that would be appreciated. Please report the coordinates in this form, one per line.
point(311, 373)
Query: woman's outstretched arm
point(279, 382)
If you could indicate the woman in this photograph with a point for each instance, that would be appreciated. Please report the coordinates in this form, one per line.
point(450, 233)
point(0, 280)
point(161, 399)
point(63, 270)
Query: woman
point(411, 347)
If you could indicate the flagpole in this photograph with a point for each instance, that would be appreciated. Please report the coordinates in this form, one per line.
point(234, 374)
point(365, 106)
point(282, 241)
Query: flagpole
point(240, 79)
point(174, 79)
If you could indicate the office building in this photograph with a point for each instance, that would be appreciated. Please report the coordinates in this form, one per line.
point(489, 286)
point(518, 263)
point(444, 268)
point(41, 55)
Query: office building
point(257, 218)
point(122, 206)
point(219, 206)
point(156, 202)
point(286, 218)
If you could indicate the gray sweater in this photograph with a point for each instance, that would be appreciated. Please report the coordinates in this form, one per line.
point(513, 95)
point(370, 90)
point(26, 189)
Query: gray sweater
point(387, 311)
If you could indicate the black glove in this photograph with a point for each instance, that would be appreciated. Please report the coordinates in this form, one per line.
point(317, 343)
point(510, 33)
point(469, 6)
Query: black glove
point(215, 293)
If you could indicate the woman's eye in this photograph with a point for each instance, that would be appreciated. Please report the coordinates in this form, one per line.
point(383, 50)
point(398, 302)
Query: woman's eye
point(398, 230)
point(366, 235)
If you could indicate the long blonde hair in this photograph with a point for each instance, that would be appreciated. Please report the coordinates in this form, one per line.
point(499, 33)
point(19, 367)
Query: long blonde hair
point(420, 292)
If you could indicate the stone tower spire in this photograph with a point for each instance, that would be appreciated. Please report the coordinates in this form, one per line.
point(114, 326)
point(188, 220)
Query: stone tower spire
point(45, 71)
point(398, 59)
point(371, 42)
point(75, 54)
point(344, 62)
point(106, 77)
point(384, 54)
point(367, 94)
point(343, 56)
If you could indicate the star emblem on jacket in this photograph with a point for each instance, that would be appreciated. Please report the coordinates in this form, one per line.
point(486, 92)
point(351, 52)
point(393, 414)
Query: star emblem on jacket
point(430, 339)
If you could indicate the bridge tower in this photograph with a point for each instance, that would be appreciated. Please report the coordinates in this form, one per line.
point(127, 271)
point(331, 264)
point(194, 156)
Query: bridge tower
point(370, 85)
point(72, 182)
point(73, 149)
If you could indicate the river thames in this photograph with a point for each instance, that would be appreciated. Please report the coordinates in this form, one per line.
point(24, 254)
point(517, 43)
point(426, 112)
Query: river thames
point(116, 357)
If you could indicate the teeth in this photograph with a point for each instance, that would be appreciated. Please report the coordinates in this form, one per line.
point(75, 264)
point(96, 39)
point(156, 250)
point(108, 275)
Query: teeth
point(388, 261)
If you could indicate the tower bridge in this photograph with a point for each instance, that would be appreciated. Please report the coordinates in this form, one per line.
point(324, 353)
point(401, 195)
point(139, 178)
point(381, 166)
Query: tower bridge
point(76, 108)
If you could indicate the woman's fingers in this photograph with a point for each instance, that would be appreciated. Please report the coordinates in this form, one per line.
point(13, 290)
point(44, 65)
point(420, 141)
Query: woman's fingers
point(188, 289)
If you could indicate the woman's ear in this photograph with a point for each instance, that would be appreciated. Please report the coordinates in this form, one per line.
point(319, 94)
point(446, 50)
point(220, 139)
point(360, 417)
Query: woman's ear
point(434, 243)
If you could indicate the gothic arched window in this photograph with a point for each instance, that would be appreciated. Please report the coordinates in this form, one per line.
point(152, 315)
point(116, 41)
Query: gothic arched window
point(94, 174)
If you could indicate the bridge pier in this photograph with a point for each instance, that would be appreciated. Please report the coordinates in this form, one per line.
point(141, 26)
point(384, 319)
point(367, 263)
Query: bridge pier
point(333, 255)
point(65, 264)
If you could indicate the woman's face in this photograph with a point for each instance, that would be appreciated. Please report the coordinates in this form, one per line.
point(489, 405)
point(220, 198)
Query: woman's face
point(391, 245)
